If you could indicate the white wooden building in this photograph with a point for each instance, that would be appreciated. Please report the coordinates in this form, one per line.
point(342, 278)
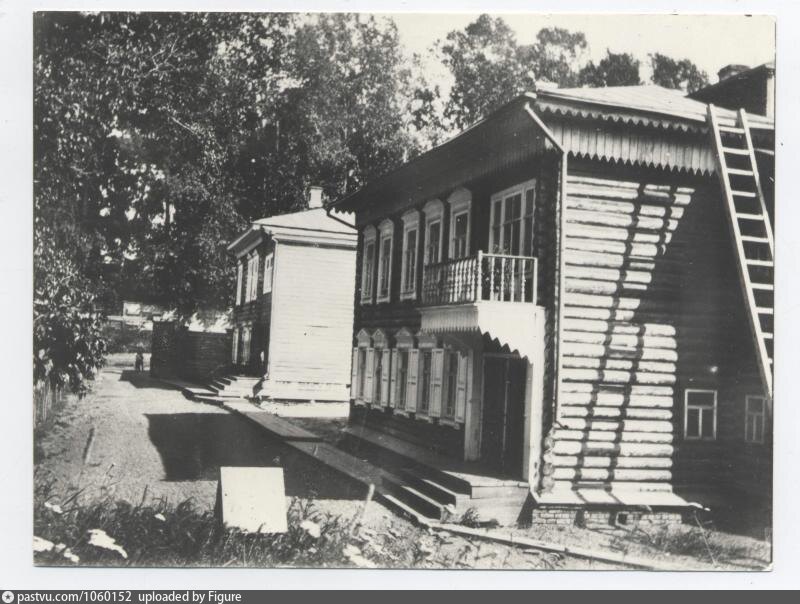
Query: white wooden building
point(293, 312)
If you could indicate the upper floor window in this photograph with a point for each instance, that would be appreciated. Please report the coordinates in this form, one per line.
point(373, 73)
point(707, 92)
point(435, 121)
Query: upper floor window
point(239, 279)
point(252, 277)
point(385, 260)
point(755, 414)
point(268, 262)
point(408, 281)
point(512, 220)
point(700, 415)
point(434, 210)
point(368, 265)
point(459, 202)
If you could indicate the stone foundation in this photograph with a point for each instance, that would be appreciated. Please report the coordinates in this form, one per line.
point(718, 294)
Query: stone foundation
point(597, 518)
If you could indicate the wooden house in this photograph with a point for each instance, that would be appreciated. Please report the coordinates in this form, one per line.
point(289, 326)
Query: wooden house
point(572, 299)
point(293, 309)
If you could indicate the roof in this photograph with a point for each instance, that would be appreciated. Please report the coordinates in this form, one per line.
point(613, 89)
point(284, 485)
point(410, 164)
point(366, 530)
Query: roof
point(671, 132)
point(314, 226)
point(646, 105)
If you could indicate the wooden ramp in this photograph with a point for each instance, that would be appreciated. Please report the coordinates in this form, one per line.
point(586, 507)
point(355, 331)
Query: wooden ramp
point(751, 229)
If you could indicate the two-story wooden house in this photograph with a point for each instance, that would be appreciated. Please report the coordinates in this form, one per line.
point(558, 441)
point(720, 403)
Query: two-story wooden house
point(573, 296)
point(293, 310)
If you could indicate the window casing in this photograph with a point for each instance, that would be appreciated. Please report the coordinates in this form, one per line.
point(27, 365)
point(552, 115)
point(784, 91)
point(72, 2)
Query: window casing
point(408, 278)
point(434, 210)
point(460, 202)
point(755, 419)
point(368, 266)
point(268, 268)
point(700, 414)
point(385, 252)
point(512, 212)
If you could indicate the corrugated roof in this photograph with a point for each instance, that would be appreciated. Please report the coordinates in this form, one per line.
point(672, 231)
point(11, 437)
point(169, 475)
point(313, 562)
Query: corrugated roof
point(637, 104)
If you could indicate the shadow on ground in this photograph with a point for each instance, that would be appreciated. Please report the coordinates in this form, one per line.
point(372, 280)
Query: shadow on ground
point(142, 379)
point(193, 446)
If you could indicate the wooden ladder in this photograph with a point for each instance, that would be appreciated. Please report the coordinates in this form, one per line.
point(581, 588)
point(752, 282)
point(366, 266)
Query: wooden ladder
point(752, 231)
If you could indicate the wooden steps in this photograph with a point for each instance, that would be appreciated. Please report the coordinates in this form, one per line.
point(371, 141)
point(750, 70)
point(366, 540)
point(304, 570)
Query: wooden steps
point(751, 229)
point(429, 488)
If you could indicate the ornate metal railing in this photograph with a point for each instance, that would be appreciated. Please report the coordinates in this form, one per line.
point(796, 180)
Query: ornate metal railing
point(483, 277)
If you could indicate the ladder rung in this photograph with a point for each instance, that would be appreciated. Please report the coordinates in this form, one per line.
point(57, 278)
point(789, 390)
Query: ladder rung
point(764, 151)
point(731, 129)
point(764, 286)
point(750, 217)
point(735, 151)
point(767, 335)
point(743, 193)
point(754, 262)
point(738, 172)
point(764, 310)
point(753, 239)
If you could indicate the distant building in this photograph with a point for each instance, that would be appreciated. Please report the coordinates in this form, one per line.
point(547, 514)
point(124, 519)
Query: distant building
point(293, 310)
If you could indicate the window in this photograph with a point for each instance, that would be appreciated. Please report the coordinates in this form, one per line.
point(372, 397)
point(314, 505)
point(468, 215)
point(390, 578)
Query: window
point(362, 371)
point(268, 262)
point(408, 281)
point(252, 278)
point(459, 203)
point(239, 278)
point(450, 383)
point(425, 369)
point(376, 377)
point(247, 333)
point(512, 220)
point(754, 419)
point(700, 415)
point(433, 231)
point(401, 382)
point(385, 261)
point(368, 265)
point(235, 345)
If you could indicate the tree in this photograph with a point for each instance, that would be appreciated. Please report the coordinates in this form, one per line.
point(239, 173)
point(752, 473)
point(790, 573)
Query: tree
point(615, 69)
point(159, 136)
point(490, 68)
point(671, 73)
point(67, 346)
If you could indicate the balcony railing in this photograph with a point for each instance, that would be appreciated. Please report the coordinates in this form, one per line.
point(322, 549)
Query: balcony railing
point(483, 277)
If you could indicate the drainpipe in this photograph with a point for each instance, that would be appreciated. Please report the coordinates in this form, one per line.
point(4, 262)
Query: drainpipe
point(560, 243)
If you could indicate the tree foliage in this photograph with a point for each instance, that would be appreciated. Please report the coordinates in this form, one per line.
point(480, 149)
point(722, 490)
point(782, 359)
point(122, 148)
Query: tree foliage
point(680, 74)
point(615, 69)
point(67, 346)
point(489, 67)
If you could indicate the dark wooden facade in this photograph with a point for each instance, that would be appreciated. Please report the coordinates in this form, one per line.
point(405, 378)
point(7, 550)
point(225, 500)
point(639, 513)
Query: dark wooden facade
point(637, 275)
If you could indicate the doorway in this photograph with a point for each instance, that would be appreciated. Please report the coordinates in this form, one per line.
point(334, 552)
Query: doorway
point(503, 421)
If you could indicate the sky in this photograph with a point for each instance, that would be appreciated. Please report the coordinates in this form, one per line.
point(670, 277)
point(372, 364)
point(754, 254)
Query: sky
point(710, 41)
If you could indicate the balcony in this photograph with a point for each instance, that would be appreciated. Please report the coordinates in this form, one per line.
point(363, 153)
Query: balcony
point(485, 295)
point(480, 278)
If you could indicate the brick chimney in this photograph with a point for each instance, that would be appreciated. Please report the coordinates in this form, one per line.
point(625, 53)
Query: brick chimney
point(731, 70)
point(314, 197)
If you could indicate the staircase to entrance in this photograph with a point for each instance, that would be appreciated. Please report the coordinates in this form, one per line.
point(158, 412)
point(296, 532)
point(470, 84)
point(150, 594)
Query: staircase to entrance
point(428, 486)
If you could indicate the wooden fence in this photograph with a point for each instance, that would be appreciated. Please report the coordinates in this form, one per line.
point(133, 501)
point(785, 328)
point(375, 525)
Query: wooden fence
point(47, 401)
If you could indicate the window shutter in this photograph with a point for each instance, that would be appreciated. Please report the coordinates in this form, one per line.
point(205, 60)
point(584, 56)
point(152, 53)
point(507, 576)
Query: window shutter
point(437, 367)
point(385, 372)
point(461, 387)
point(370, 369)
point(393, 382)
point(411, 387)
point(239, 275)
point(354, 376)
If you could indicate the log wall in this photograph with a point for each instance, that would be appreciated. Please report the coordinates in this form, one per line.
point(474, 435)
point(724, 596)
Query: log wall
point(652, 307)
